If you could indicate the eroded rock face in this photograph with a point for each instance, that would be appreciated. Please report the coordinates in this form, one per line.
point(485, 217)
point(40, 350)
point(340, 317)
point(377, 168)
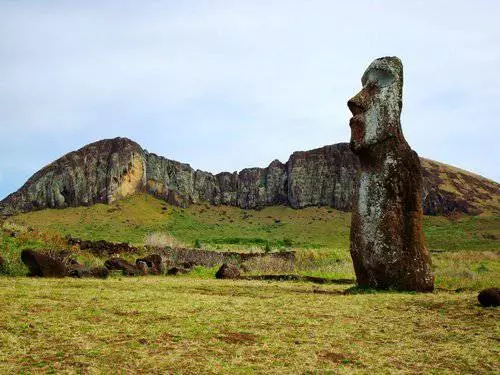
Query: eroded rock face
point(100, 172)
point(387, 242)
point(322, 177)
point(108, 170)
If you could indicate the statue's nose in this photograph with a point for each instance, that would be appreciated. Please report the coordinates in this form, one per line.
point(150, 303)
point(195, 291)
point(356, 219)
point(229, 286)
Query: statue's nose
point(356, 104)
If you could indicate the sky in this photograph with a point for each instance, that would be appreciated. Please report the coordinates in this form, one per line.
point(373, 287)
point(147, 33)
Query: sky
point(225, 85)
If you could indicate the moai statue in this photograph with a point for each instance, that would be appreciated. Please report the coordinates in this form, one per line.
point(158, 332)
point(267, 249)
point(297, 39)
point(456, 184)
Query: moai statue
point(387, 242)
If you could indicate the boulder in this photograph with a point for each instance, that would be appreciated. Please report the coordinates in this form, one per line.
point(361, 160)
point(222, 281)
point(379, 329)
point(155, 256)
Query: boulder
point(154, 262)
point(142, 267)
point(177, 271)
point(228, 271)
point(489, 297)
point(42, 265)
point(121, 264)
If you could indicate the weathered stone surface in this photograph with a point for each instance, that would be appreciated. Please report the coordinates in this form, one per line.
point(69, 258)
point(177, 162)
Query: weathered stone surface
point(173, 271)
point(188, 258)
point(154, 262)
point(121, 264)
point(322, 177)
point(108, 170)
point(42, 265)
point(489, 297)
point(97, 272)
point(228, 271)
point(142, 267)
point(100, 172)
point(102, 247)
point(387, 242)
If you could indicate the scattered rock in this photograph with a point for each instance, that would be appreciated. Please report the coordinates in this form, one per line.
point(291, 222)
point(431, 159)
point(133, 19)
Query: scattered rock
point(154, 262)
point(102, 247)
point(188, 265)
point(97, 272)
point(127, 268)
point(142, 266)
point(177, 271)
point(489, 297)
point(42, 265)
point(228, 271)
point(387, 242)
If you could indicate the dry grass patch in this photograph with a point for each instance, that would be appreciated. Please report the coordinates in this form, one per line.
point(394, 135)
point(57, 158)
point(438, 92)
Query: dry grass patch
point(182, 325)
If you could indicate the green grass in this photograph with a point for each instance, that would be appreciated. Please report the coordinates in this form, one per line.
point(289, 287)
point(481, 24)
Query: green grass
point(215, 227)
point(319, 235)
point(196, 324)
point(185, 325)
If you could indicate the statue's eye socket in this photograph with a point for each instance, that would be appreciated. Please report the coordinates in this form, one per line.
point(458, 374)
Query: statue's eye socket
point(379, 77)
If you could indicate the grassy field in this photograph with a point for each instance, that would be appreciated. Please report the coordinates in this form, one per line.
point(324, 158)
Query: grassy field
point(196, 324)
point(186, 325)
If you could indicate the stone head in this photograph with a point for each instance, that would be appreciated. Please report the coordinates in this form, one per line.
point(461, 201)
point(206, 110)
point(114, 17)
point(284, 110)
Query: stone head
point(377, 107)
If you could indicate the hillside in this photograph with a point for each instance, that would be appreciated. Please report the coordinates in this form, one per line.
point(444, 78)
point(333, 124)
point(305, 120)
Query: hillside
point(132, 218)
point(109, 170)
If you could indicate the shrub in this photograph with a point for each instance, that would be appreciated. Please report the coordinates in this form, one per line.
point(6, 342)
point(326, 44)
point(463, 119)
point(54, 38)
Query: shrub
point(197, 244)
point(161, 239)
point(268, 265)
point(267, 247)
point(287, 242)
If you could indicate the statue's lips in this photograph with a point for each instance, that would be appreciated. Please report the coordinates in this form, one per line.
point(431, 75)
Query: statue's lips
point(357, 125)
point(356, 121)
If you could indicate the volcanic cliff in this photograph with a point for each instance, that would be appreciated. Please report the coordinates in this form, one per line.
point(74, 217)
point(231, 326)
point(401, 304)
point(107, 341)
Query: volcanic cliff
point(107, 170)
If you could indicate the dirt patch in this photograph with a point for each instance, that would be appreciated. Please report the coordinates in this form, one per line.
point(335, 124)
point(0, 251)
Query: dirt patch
point(312, 279)
point(320, 291)
point(334, 357)
point(238, 338)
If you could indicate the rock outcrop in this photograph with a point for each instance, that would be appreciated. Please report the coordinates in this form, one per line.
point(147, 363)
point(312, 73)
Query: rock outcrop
point(387, 242)
point(110, 169)
point(42, 265)
point(100, 172)
point(489, 297)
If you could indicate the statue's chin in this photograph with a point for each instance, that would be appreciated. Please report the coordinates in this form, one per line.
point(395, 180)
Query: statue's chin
point(356, 146)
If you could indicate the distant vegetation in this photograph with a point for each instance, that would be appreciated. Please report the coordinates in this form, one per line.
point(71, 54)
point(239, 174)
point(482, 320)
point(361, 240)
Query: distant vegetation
point(465, 249)
point(137, 218)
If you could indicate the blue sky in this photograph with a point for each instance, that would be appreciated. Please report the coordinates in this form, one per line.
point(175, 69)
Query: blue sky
point(225, 85)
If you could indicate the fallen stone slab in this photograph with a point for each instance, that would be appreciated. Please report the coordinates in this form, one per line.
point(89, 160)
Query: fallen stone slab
point(489, 297)
point(291, 277)
point(121, 264)
point(42, 265)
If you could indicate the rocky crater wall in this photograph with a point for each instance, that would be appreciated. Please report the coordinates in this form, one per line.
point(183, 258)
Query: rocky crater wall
point(111, 169)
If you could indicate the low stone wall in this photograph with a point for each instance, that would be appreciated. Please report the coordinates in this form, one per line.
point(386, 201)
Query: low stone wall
point(101, 247)
point(211, 258)
point(177, 256)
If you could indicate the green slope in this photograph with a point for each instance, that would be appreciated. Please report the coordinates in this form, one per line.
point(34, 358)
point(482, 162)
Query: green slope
point(133, 218)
